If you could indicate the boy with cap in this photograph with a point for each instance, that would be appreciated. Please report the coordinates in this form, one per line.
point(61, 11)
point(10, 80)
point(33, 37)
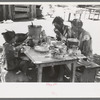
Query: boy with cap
point(12, 62)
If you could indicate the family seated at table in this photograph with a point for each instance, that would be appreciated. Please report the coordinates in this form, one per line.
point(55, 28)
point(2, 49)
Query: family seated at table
point(64, 33)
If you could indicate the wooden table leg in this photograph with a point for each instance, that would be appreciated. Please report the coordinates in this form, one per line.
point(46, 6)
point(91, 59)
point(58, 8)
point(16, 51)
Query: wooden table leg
point(73, 70)
point(39, 75)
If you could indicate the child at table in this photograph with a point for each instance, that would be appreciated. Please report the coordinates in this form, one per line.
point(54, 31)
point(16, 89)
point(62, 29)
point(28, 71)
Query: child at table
point(13, 63)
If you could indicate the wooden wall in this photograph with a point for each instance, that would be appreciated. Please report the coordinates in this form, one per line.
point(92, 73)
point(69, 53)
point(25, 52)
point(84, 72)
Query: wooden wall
point(16, 12)
point(1, 12)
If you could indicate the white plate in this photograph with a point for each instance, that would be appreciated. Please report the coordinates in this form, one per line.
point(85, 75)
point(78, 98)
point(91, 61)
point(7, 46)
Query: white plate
point(41, 49)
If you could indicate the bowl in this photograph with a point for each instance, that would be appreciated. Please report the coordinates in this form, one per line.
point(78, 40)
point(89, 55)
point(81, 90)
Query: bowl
point(41, 49)
point(72, 41)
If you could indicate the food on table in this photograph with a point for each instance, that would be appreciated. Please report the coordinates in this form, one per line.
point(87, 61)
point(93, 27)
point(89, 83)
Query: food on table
point(56, 53)
point(58, 49)
point(41, 48)
point(58, 44)
point(73, 52)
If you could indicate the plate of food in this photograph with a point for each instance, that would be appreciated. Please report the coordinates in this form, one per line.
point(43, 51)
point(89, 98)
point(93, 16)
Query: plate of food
point(56, 53)
point(42, 49)
point(57, 43)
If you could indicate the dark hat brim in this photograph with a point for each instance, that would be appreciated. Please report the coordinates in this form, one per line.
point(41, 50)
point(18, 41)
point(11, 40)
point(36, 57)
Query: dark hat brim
point(78, 24)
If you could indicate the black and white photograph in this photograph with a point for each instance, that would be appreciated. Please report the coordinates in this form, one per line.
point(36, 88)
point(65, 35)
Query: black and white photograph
point(51, 42)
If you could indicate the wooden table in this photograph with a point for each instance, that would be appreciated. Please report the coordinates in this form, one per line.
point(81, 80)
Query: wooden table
point(44, 59)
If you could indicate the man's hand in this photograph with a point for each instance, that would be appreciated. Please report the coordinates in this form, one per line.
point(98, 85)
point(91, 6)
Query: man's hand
point(63, 39)
point(57, 32)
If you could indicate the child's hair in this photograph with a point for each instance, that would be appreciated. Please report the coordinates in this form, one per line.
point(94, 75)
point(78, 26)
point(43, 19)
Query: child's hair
point(8, 36)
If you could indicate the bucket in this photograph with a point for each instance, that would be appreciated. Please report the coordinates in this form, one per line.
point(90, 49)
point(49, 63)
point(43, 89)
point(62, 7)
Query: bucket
point(72, 42)
point(34, 31)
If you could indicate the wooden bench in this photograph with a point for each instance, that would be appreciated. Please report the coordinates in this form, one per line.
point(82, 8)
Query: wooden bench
point(90, 71)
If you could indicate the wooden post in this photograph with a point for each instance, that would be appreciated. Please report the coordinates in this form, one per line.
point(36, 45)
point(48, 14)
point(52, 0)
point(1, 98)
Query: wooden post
point(69, 16)
point(89, 14)
point(85, 14)
point(33, 11)
point(98, 16)
point(9, 9)
point(4, 12)
point(80, 16)
point(73, 70)
point(39, 75)
point(94, 15)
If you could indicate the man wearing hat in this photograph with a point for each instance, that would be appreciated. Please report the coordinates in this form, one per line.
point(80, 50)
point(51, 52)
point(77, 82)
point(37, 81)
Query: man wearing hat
point(85, 41)
point(83, 36)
